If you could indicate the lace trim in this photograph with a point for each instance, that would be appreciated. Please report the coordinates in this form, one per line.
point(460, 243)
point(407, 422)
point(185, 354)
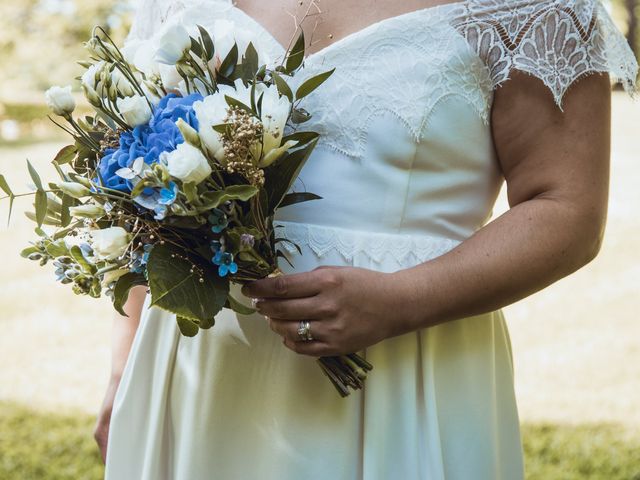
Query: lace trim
point(556, 41)
point(404, 249)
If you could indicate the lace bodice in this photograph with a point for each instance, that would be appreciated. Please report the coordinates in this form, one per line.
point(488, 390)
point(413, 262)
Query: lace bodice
point(406, 142)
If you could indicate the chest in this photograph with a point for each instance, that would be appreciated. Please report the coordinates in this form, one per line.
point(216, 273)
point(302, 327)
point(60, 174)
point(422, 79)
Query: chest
point(324, 21)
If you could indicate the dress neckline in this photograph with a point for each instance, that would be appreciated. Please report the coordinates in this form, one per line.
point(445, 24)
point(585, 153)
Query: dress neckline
point(432, 10)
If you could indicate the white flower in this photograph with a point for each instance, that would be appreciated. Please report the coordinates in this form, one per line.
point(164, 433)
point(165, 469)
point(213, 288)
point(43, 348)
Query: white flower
point(109, 243)
point(120, 84)
point(187, 163)
point(135, 110)
point(212, 111)
point(174, 42)
point(275, 113)
point(113, 276)
point(60, 100)
point(87, 211)
point(74, 189)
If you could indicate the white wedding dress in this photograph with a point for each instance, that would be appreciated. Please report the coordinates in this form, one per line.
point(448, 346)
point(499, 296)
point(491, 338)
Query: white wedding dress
point(407, 170)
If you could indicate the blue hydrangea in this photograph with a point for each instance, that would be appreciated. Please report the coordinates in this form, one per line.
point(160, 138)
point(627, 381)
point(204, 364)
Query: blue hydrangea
point(160, 135)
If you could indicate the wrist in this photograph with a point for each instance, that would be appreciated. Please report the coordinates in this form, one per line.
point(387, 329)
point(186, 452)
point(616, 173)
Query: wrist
point(411, 305)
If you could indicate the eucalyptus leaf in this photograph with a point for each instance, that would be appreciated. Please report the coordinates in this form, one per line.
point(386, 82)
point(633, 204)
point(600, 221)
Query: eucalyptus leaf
point(65, 216)
point(57, 249)
point(29, 251)
point(34, 176)
point(122, 288)
point(5, 186)
point(301, 137)
point(190, 287)
point(41, 205)
point(78, 256)
point(314, 82)
point(66, 155)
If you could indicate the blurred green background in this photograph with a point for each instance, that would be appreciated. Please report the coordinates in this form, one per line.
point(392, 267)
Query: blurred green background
point(576, 344)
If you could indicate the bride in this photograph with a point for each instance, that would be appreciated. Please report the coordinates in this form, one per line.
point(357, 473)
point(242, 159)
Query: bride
point(432, 106)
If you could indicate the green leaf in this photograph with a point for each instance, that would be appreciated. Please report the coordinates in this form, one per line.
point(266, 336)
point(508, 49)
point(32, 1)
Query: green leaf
point(283, 86)
point(209, 48)
point(196, 47)
point(301, 137)
point(5, 186)
point(294, 198)
point(251, 60)
point(28, 251)
point(296, 55)
point(238, 307)
point(222, 128)
point(234, 192)
point(66, 155)
point(300, 115)
point(123, 286)
point(314, 82)
point(232, 102)
point(57, 249)
point(77, 255)
point(230, 62)
point(41, 206)
point(191, 192)
point(65, 216)
point(34, 176)
point(188, 286)
point(188, 328)
point(281, 176)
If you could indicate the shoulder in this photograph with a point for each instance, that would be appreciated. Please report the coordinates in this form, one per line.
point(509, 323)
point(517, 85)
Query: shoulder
point(556, 41)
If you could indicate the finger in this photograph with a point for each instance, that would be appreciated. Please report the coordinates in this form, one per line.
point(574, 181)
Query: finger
point(296, 285)
point(312, 349)
point(291, 309)
point(289, 329)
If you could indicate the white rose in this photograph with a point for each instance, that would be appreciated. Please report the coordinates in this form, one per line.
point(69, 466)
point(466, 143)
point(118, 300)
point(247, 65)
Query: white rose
point(187, 163)
point(109, 243)
point(135, 110)
point(174, 42)
point(60, 100)
point(212, 111)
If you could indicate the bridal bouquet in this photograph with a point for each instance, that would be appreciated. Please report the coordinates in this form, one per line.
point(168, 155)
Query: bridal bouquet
point(173, 183)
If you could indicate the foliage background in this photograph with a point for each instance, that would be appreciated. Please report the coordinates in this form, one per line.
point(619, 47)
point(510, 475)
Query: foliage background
point(575, 344)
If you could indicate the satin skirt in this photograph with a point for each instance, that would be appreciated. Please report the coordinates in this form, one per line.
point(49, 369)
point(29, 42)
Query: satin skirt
point(235, 403)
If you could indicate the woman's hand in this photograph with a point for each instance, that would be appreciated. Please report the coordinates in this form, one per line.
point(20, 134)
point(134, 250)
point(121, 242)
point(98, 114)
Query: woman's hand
point(101, 429)
point(348, 308)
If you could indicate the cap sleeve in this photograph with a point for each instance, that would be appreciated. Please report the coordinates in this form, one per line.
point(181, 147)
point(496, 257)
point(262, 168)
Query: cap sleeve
point(555, 41)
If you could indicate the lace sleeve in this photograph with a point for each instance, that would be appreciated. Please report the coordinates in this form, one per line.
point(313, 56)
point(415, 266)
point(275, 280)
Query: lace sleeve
point(556, 41)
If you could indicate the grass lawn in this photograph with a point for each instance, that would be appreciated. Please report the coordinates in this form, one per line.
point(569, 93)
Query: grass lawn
point(42, 446)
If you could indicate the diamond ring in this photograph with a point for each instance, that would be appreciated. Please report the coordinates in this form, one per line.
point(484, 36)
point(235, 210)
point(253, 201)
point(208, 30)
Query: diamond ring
point(304, 331)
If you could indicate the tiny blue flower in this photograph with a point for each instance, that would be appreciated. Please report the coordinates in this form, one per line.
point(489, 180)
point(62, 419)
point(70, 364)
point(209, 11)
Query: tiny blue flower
point(225, 263)
point(169, 194)
point(219, 221)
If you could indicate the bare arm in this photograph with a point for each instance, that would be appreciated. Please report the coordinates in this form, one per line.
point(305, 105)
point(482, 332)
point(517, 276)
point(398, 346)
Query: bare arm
point(556, 165)
point(123, 332)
